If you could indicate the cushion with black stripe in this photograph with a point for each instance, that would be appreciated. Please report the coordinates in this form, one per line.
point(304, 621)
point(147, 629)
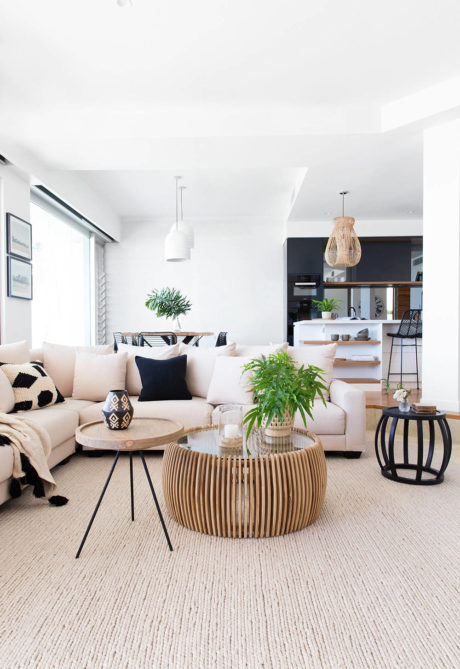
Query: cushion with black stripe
point(32, 387)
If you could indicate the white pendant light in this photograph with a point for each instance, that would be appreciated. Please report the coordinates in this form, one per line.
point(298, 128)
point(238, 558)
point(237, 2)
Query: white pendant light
point(184, 227)
point(177, 248)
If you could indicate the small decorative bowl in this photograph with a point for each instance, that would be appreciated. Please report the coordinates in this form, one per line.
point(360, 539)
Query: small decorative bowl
point(345, 337)
point(334, 337)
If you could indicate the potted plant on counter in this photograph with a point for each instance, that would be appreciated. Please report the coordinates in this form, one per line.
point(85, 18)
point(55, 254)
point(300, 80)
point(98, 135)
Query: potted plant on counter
point(280, 388)
point(326, 307)
point(168, 302)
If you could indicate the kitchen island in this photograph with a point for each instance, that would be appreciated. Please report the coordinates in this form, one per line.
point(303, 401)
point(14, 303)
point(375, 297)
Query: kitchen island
point(360, 361)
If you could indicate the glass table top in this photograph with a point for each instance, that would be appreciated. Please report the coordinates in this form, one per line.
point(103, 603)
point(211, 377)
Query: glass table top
point(209, 441)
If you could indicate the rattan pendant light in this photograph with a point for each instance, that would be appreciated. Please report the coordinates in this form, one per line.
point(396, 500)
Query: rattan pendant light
point(343, 248)
point(177, 247)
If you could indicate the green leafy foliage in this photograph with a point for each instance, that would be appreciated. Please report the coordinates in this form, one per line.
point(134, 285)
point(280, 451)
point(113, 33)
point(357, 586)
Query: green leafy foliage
point(168, 302)
point(327, 305)
point(278, 384)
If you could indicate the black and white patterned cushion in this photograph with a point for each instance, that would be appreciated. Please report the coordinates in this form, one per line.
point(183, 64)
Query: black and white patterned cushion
point(33, 388)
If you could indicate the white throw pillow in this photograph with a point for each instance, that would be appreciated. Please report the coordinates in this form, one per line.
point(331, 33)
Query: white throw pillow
point(200, 365)
point(16, 353)
point(133, 378)
point(319, 355)
point(229, 384)
point(96, 374)
point(59, 361)
point(6, 394)
point(259, 351)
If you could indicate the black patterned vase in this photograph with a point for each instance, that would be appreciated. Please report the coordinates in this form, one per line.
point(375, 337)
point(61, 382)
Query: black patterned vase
point(117, 410)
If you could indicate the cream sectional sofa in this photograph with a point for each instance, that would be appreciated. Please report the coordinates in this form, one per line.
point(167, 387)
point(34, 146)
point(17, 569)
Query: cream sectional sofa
point(340, 424)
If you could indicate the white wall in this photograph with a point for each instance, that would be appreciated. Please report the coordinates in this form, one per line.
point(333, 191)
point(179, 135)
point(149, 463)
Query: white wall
point(441, 266)
point(16, 323)
point(14, 198)
point(363, 228)
point(234, 279)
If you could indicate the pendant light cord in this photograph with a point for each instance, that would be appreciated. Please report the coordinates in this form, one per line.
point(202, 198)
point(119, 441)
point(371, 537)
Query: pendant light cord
point(182, 188)
point(177, 203)
point(343, 193)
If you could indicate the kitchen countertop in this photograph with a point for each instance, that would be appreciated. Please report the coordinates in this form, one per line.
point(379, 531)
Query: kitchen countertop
point(337, 321)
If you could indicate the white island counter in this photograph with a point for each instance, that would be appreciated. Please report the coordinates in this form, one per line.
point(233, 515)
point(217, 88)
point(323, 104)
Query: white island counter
point(377, 349)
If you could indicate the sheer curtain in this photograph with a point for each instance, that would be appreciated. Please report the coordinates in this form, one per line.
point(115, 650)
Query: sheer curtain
point(61, 306)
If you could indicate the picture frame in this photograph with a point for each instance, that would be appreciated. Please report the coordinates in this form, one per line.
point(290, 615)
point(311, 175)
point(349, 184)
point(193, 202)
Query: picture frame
point(18, 237)
point(19, 278)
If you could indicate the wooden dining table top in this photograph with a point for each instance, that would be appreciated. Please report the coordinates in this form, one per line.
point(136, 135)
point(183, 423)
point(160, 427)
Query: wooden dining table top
point(191, 334)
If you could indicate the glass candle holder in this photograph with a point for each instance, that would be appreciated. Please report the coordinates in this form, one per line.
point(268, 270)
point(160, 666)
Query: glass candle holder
point(230, 423)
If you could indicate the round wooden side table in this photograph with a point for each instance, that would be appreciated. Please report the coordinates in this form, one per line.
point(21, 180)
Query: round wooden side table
point(142, 434)
point(257, 490)
point(391, 458)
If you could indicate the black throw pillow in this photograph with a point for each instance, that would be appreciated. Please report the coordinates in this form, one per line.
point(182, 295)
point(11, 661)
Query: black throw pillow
point(163, 379)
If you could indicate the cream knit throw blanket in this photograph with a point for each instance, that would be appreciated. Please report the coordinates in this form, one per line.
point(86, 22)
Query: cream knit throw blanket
point(31, 440)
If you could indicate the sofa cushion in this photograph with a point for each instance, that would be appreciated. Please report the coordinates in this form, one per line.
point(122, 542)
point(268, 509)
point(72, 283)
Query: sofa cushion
point(133, 379)
point(59, 423)
point(32, 387)
point(259, 351)
point(76, 406)
point(163, 379)
point(6, 394)
point(321, 355)
point(96, 374)
point(200, 365)
point(15, 353)
point(329, 419)
point(59, 362)
point(188, 412)
point(229, 383)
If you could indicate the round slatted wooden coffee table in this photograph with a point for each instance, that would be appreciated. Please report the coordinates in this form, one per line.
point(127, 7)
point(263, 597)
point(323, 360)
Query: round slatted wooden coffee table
point(259, 490)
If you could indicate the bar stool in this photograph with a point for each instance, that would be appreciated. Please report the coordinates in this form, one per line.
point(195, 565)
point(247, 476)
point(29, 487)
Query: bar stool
point(410, 327)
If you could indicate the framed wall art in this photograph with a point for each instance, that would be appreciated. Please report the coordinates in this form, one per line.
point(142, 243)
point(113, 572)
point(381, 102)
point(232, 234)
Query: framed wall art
point(19, 278)
point(18, 237)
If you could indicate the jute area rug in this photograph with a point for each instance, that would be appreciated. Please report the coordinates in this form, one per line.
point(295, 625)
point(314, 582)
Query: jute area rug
point(373, 583)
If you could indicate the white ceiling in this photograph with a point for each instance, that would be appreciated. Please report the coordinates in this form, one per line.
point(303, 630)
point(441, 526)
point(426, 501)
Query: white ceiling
point(128, 96)
point(218, 193)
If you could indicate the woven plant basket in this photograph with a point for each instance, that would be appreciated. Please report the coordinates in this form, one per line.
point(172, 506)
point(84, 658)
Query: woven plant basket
point(277, 427)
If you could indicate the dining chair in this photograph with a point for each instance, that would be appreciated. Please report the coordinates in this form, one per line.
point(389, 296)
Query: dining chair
point(221, 339)
point(157, 338)
point(125, 338)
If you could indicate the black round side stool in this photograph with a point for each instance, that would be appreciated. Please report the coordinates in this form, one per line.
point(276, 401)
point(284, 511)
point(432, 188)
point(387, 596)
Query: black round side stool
point(425, 473)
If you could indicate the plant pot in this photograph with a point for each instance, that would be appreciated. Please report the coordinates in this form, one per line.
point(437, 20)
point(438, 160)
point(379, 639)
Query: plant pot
point(326, 315)
point(117, 410)
point(277, 427)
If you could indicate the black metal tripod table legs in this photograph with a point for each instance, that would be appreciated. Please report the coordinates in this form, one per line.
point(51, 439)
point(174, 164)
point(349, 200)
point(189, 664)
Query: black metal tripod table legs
point(131, 479)
point(425, 473)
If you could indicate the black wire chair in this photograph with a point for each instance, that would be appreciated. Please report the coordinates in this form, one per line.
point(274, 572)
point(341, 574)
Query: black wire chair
point(221, 339)
point(125, 338)
point(156, 338)
point(410, 327)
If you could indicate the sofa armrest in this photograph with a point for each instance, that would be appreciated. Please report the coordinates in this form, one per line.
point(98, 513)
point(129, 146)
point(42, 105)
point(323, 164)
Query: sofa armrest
point(353, 402)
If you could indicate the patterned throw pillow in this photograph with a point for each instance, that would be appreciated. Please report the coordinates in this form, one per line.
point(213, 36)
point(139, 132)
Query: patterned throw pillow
point(33, 388)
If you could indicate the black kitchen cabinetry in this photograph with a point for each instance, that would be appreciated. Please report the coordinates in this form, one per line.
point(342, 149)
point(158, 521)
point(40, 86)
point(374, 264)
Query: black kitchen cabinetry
point(383, 259)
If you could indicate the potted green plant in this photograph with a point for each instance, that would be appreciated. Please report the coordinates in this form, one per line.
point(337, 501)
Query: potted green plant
point(280, 388)
point(326, 306)
point(168, 302)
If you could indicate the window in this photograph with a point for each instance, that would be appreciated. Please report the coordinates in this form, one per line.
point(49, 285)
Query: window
point(61, 306)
